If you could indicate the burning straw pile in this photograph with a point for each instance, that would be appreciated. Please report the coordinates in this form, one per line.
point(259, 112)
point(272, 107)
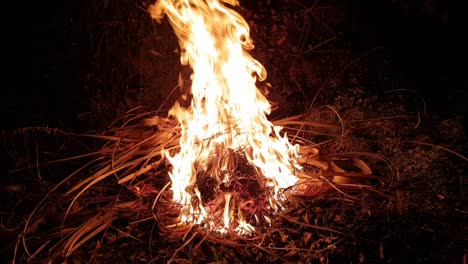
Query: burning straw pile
point(133, 157)
point(213, 175)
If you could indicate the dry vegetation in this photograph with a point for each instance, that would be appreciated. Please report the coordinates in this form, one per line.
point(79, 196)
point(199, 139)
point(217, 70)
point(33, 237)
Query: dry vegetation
point(383, 181)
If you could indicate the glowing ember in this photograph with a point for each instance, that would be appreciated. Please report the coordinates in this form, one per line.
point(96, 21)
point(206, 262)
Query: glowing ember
point(233, 164)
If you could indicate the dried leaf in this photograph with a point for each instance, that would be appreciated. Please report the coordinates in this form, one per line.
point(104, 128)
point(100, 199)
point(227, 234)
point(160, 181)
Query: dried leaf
point(281, 41)
point(307, 236)
point(337, 218)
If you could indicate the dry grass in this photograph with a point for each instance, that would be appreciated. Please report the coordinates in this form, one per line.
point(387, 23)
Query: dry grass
point(125, 179)
point(132, 158)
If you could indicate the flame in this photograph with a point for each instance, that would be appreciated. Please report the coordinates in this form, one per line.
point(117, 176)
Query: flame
point(226, 123)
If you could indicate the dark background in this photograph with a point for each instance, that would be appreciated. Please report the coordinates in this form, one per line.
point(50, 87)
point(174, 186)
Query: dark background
point(46, 54)
point(49, 51)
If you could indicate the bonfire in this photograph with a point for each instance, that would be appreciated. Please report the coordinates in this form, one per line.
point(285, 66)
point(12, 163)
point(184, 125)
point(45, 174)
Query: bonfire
point(215, 171)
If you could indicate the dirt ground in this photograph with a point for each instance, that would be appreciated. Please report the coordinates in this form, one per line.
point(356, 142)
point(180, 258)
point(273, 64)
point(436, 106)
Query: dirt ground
point(381, 81)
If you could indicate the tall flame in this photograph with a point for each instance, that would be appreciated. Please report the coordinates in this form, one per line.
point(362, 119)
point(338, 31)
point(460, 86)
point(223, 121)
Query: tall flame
point(226, 122)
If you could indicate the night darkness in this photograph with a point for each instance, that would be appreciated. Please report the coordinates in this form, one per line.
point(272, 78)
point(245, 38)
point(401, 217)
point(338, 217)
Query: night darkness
point(47, 56)
point(65, 67)
point(49, 53)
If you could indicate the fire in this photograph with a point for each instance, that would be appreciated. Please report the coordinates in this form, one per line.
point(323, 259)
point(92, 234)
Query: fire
point(231, 157)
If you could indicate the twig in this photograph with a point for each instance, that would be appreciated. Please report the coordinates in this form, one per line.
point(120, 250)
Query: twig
point(289, 219)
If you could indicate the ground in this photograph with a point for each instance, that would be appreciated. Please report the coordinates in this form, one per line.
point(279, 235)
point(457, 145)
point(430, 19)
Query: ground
point(374, 82)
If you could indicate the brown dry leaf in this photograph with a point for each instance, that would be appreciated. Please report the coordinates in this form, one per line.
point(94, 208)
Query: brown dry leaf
point(307, 236)
point(300, 211)
point(274, 28)
point(306, 217)
point(329, 239)
point(281, 41)
point(338, 218)
point(34, 227)
point(291, 253)
point(110, 237)
point(291, 245)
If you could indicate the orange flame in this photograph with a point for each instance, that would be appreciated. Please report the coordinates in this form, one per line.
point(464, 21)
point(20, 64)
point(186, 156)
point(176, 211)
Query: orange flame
point(226, 120)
